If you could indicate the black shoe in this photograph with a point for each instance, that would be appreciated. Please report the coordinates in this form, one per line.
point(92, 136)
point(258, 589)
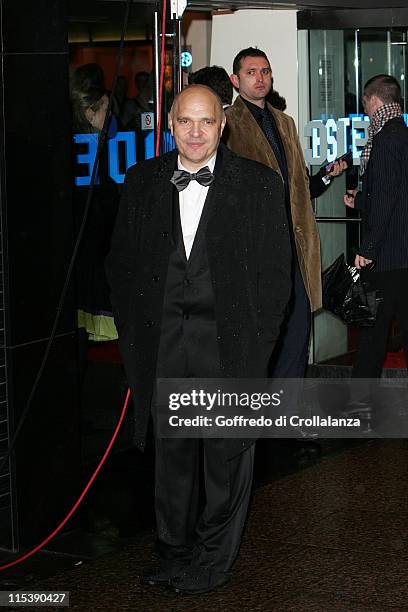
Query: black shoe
point(196, 581)
point(162, 573)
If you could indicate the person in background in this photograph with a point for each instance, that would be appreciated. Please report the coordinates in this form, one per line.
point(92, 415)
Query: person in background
point(144, 85)
point(382, 255)
point(127, 109)
point(90, 78)
point(87, 77)
point(258, 131)
point(275, 99)
point(89, 108)
point(95, 318)
point(120, 102)
point(133, 109)
point(217, 78)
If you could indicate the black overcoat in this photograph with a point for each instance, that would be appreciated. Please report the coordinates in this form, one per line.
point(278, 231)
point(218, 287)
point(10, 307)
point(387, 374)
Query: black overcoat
point(248, 249)
point(384, 199)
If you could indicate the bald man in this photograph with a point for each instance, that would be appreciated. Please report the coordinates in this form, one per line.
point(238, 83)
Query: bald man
point(200, 277)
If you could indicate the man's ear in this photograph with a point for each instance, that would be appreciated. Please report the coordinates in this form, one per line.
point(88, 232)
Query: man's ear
point(223, 122)
point(234, 80)
point(170, 123)
point(89, 114)
point(378, 102)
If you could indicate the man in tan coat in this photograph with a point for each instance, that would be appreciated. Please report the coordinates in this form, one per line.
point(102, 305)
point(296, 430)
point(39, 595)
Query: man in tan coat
point(258, 131)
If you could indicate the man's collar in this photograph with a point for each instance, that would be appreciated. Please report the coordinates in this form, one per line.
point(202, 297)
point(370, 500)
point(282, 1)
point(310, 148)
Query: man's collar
point(254, 108)
point(210, 164)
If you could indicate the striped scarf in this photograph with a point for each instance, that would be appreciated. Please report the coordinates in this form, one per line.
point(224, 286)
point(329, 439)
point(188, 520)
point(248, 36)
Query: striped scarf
point(378, 120)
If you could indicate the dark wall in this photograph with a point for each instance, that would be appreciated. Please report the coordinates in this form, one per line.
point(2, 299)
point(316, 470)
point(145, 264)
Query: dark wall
point(36, 227)
point(342, 4)
point(301, 4)
point(355, 4)
point(357, 18)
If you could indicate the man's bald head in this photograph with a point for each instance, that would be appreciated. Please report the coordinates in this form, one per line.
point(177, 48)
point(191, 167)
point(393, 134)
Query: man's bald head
point(196, 120)
point(193, 91)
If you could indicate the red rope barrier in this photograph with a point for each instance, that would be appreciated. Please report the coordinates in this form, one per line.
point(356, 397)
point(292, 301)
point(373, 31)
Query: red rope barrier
point(30, 553)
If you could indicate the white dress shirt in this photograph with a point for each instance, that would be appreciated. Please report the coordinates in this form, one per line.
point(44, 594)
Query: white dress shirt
point(191, 202)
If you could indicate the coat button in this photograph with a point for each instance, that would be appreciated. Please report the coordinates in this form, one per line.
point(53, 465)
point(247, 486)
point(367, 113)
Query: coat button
point(186, 316)
point(149, 323)
point(156, 279)
point(165, 234)
point(186, 281)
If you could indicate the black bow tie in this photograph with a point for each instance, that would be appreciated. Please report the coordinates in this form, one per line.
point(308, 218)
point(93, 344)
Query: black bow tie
point(181, 178)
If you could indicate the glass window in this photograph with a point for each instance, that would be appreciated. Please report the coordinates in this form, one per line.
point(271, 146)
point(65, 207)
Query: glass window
point(340, 63)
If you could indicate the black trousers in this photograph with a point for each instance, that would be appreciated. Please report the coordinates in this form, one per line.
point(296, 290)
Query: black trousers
point(372, 344)
point(289, 359)
point(210, 536)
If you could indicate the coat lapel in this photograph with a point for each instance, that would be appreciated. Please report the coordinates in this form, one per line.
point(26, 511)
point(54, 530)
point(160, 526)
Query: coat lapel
point(263, 152)
point(217, 221)
point(163, 190)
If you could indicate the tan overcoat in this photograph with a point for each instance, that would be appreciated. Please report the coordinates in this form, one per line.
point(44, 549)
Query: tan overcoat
point(245, 137)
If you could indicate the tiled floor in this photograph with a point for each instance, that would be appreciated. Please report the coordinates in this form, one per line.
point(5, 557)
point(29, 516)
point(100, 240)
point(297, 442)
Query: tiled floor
point(331, 537)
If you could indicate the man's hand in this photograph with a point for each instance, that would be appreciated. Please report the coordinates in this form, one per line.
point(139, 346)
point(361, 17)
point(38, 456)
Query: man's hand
point(338, 168)
point(349, 197)
point(362, 262)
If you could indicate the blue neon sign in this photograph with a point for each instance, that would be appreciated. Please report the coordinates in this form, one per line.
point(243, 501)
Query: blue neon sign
point(186, 59)
point(126, 141)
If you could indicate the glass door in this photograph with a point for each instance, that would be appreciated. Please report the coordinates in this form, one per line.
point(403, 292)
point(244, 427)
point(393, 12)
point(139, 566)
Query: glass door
point(340, 62)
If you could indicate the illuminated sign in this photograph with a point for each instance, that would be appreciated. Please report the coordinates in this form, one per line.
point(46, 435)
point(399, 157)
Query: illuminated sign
point(121, 153)
point(186, 59)
point(332, 138)
point(328, 140)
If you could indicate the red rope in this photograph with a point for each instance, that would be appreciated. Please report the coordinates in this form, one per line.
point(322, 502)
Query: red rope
point(81, 497)
point(162, 65)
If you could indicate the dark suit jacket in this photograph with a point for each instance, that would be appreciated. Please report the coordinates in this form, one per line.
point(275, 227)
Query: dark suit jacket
point(248, 251)
point(384, 199)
